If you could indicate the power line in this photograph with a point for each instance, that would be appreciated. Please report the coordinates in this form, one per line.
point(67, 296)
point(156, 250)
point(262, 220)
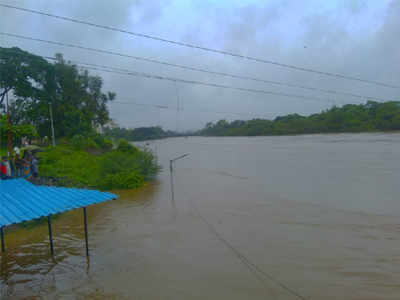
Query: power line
point(120, 71)
point(123, 71)
point(129, 72)
point(256, 79)
point(276, 82)
point(185, 67)
point(174, 79)
point(158, 106)
point(223, 52)
point(173, 108)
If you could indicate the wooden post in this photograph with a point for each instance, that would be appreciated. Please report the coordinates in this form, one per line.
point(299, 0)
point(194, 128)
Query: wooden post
point(3, 247)
point(171, 175)
point(9, 142)
point(50, 234)
point(53, 137)
point(86, 231)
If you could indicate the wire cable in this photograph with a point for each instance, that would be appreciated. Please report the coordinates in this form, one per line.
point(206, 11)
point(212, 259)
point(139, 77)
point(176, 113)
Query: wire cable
point(291, 85)
point(255, 79)
point(136, 57)
point(249, 78)
point(172, 108)
point(193, 46)
point(134, 73)
point(158, 106)
point(174, 79)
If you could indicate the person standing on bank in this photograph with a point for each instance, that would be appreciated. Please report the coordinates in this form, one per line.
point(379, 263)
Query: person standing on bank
point(3, 168)
point(13, 169)
point(26, 166)
point(18, 165)
point(8, 167)
point(34, 166)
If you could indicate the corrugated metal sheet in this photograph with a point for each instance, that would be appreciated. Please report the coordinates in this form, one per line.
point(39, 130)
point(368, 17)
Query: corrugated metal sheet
point(22, 201)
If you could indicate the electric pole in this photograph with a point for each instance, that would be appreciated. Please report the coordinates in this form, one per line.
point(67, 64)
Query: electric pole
point(53, 138)
point(9, 142)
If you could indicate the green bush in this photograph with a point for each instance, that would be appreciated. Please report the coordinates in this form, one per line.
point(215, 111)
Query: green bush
point(122, 180)
point(91, 142)
point(81, 142)
point(77, 166)
point(102, 142)
point(111, 170)
point(142, 162)
point(124, 146)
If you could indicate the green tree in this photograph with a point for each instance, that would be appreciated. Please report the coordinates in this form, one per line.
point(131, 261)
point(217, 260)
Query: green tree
point(76, 98)
point(372, 116)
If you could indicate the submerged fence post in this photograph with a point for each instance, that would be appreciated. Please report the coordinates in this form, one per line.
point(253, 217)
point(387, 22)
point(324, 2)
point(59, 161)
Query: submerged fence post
point(171, 172)
point(3, 246)
point(50, 234)
point(86, 231)
point(171, 175)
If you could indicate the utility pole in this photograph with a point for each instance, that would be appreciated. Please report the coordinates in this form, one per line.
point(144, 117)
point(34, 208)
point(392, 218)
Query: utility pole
point(9, 142)
point(171, 172)
point(53, 138)
point(171, 176)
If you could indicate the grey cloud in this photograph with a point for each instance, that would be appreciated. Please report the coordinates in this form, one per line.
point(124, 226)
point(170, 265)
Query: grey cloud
point(275, 30)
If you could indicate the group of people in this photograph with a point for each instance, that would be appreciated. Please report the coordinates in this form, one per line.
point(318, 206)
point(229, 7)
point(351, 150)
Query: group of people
point(16, 167)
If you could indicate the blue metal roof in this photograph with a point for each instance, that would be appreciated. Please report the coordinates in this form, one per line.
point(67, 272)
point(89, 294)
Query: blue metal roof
point(22, 201)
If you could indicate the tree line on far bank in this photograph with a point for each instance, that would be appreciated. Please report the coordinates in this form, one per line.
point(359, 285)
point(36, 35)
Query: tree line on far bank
point(140, 133)
point(369, 117)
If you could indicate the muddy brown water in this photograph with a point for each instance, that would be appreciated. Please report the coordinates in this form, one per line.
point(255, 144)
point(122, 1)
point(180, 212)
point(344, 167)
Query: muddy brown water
point(253, 218)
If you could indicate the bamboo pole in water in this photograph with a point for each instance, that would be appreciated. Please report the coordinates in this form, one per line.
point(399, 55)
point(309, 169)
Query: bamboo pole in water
point(86, 231)
point(3, 246)
point(50, 234)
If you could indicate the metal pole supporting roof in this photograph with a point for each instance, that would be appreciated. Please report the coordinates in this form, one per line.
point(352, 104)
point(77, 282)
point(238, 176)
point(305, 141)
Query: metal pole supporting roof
point(22, 201)
point(86, 231)
point(50, 234)
point(3, 247)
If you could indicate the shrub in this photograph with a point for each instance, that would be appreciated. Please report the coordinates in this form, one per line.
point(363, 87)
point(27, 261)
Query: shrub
point(142, 162)
point(102, 142)
point(121, 180)
point(124, 146)
point(76, 166)
point(113, 170)
point(81, 142)
point(107, 145)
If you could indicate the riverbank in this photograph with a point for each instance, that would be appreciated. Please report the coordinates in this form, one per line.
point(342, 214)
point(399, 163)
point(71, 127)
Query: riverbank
point(302, 134)
point(125, 167)
point(350, 118)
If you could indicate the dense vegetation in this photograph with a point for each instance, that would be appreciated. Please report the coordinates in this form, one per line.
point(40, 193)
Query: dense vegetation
point(86, 162)
point(37, 87)
point(37, 90)
point(139, 134)
point(369, 117)
point(17, 131)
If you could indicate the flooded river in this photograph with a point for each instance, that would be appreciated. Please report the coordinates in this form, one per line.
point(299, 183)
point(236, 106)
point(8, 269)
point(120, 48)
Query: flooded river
point(304, 217)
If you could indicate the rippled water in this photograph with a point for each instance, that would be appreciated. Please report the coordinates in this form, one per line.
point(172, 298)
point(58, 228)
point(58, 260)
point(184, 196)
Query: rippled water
point(253, 218)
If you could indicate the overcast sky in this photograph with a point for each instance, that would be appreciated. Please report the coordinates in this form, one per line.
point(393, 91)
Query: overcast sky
point(352, 37)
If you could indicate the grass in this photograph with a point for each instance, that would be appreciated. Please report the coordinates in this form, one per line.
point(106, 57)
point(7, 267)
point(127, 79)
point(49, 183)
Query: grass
point(77, 166)
point(84, 161)
point(122, 168)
